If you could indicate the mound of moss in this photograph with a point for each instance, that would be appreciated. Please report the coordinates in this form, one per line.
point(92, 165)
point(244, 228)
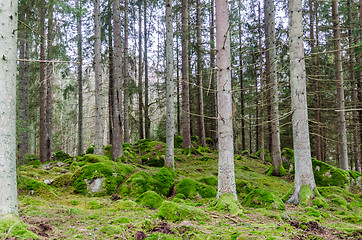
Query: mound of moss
point(243, 187)
point(320, 202)
point(228, 203)
point(176, 212)
point(33, 187)
point(210, 180)
point(61, 156)
point(137, 184)
point(260, 198)
point(165, 181)
point(112, 174)
point(327, 175)
point(11, 226)
point(150, 199)
point(190, 188)
point(339, 200)
point(92, 158)
point(125, 204)
point(63, 180)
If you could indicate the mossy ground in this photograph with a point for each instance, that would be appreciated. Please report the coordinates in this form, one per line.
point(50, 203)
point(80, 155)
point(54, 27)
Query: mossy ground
point(183, 215)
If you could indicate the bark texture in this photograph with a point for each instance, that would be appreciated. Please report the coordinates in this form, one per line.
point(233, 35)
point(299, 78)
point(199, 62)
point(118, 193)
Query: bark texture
point(147, 118)
point(226, 175)
point(140, 74)
point(80, 79)
point(302, 155)
point(8, 68)
point(213, 72)
point(126, 76)
point(42, 88)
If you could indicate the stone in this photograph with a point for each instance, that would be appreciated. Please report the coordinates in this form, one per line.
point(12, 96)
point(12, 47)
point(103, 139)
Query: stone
point(60, 164)
point(95, 185)
point(48, 181)
point(46, 167)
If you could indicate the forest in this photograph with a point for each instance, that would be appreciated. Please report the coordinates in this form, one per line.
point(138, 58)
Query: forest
point(205, 119)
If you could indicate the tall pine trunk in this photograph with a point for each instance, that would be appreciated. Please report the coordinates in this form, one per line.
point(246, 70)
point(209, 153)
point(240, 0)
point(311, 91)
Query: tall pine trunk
point(110, 72)
point(241, 79)
point(213, 72)
point(8, 69)
point(140, 74)
point(147, 117)
point(126, 77)
point(342, 131)
point(80, 79)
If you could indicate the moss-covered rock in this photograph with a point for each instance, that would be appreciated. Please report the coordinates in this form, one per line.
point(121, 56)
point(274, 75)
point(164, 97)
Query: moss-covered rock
point(263, 198)
point(36, 188)
point(205, 191)
point(227, 203)
point(243, 187)
point(112, 173)
point(176, 212)
point(305, 195)
point(34, 163)
point(61, 156)
point(150, 199)
point(165, 181)
point(108, 152)
point(125, 204)
point(90, 150)
point(190, 188)
point(339, 200)
point(209, 180)
point(63, 180)
point(137, 184)
point(327, 175)
point(13, 227)
point(320, 202)
point(92, 158)
point(312, 212)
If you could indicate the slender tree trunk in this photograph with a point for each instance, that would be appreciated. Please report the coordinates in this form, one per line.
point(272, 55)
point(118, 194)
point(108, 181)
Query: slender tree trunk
point(140, 73)
point(226, 175)
point(186, 128)
point(241, 79)
point(8, 53)
point(98, 143)
point(80, 79)
point(42, 88)
point(200, 96)
point(359, 78)
point(256, 112)
point(342, 131)
point(126, 77)
point(170, 88)
point(213, 72)
point(178, 83)
point(117, 147)
point(261, 90)
point(110, 73)
point(302, 155)
point(273, 86)
point(147, 117)
point(49, 78)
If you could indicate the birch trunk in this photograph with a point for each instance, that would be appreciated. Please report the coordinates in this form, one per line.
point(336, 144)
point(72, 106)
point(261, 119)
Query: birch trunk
point(302, 155)
point(170, 87)
point(98, 143)
point(226, 171)
point(342, 131)
point(8, 68)
point(117, 147)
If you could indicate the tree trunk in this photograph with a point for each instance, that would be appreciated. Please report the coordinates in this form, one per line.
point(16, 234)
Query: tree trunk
point(8, 68)
point(302, 155)
point(273, 87)
point(359, 78)
point(140, 73)
point(98, 143)
point(117, 147)
point(42, 88)
point(342, 131)
point(186, 128)
point(241, 79)
point(261, 90)
point(200, 96)
point(226, 171)
point(126, 76)
point(213, 72)
point(178, 82)
point(147, 117)
point(80, 79)
point(170, 88)
point(110, 73)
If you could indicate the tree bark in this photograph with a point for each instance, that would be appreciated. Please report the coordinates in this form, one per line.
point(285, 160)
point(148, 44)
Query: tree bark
point(8, 69)
point(302, 155)
point(170, 88)
point(117, 147)
point(186, 128)
point(261, 90)
point(80, 78)
point(342, 131)
point(226, 171)
point(110, 73)
point(241, 79)
point(98, 143)
point(126, 76)
point(213, 72)
point(140, 73)
point(147, 117)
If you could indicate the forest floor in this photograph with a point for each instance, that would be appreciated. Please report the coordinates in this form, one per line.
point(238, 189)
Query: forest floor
point(64, 214)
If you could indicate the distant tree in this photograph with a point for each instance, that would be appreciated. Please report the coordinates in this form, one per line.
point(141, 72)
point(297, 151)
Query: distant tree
point(145, 29)
point(80, 77)
point(126, 81)
point(8, 68)
point(140, 73)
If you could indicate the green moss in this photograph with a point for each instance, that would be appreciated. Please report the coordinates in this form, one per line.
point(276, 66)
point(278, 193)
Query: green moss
point(312, 212)
point(162, 236)
point(36, 188)
point(210, 180)
point(179, 212)
point(327, 175)
point(243, 186)
point(12, 226)
point(92, 158)
point(227, 203)
point(137, 184)
point(180, 196)
point(305, 195)
point(56, 169)
point(206, 191)
point(150, 199)
point(111, 230)
point(63, 180)
point(61, 156)
point(339, 200)
point(187, 187)
point(178, 141)
point(125, 204)
point(165, 181)
point(354, 174)
point(263, 198)
point(35, 163)
point(320, 202)
point(90, 150)
point(94, 204)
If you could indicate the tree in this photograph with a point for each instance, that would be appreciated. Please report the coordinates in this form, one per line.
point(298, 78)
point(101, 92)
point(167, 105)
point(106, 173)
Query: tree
point(117, 147)
point(147, 118)
point(8, 68)
point(80, 78)
point(242, 109)
point(269, 13)
point(98, 143)
point(212, 72)
point(342, 131)
point(302, 155)
point(226, 171)
point(126, 131)
point(261, 89)
point(186, 128)
point(140, 95)
point(170, 88)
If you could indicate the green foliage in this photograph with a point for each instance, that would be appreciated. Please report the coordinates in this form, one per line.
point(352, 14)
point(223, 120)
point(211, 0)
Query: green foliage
point(227, 203)
point(179, 212)
point(190, 188)
point(165, 181)
point(210, 180)
point(354, 174)
point(162, 236)
point(61, 156)
point(150, 199)
point(263, 198)
point(36, 188)
point(94, 204)
point(178, 141)
point(108, 152)
point(137, 184)
point(90, 150)
point(327, 175)
point(30, 157)
point(243, 187)
point(13, 226)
